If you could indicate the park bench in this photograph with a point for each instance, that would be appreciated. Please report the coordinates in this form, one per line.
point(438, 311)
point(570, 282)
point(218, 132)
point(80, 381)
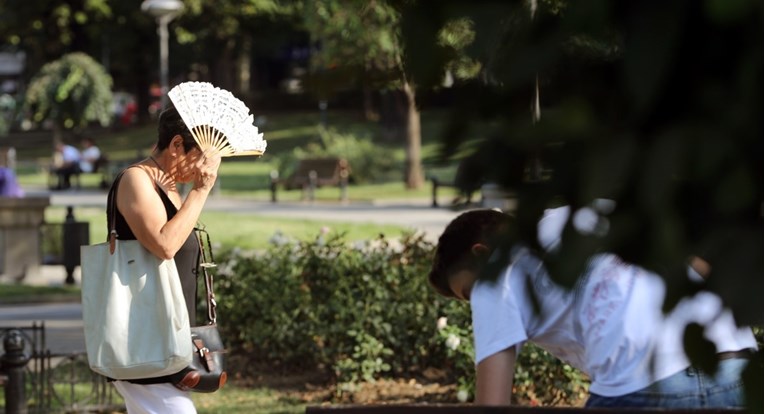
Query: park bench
point(437, 183)
point(313, 173)
point(468, 179)
point(465, 179)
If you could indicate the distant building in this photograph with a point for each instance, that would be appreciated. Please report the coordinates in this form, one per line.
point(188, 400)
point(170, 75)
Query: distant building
point(11, 70)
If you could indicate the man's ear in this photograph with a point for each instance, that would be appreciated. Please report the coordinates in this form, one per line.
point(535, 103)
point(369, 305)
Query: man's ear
point(480, 250)
point(701, 266)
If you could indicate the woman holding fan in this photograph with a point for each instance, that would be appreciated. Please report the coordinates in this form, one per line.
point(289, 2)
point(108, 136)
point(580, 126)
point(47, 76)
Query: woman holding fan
point(136, 320)
point(150, 209)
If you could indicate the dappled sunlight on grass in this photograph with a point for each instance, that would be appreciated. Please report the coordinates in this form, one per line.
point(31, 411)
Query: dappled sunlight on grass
point(249, 231)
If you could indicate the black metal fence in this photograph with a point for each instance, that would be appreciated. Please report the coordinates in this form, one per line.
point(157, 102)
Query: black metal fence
point(52, 383)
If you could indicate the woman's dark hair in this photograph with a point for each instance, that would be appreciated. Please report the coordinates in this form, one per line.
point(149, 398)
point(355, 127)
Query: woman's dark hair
point(453, 251)
point(170, 125)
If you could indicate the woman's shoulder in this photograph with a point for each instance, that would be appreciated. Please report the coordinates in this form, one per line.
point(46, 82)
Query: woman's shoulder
point(136, 173)
point(134, 179)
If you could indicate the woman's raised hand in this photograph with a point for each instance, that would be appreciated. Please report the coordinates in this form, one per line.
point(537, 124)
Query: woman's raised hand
point(207, 169)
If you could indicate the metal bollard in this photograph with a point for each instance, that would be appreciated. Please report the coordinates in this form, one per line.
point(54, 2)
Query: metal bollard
point(274, 182)
point(13, 363)
point(75, 234)
point(312, 183)
point(344, 186)
point(344, 176)
point(434, 180)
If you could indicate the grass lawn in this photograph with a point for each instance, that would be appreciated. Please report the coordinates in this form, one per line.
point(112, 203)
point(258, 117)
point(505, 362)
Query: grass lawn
point(244, 230)
point(233, 399)
point(12, 293)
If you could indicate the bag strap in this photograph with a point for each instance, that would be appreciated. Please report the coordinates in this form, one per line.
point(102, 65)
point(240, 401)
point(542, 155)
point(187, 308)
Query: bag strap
point(111, 209)
point(208, 263)
point(111, 212)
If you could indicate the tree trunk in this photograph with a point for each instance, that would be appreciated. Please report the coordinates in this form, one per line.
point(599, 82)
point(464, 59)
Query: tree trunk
point(225, 66)
point(413, 169)
point(243, 67)
point(370, 113)
point(141, 87)
point(58, 135)
point(393, 116)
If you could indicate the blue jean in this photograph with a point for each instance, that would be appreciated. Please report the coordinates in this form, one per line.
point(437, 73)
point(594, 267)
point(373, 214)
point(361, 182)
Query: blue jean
point(689, 388)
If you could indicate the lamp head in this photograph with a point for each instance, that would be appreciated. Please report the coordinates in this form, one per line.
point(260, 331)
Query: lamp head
point(162, 8)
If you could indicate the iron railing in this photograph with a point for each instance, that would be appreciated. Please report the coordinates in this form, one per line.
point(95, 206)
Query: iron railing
point(57, 382)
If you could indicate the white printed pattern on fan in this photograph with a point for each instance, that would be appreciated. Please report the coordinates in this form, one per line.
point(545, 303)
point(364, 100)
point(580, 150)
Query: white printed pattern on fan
point(217, 119)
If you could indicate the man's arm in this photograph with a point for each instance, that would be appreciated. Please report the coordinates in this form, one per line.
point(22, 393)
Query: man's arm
point(494, 378)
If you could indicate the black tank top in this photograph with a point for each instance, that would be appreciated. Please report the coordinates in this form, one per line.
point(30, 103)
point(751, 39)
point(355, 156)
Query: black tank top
point(186, 259)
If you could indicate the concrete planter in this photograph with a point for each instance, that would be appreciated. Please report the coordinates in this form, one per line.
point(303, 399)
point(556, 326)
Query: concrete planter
point(20, 220)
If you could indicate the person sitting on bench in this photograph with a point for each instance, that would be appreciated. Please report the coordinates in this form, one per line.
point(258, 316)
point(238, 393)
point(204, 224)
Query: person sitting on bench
point(66, 163)
point(90, 156)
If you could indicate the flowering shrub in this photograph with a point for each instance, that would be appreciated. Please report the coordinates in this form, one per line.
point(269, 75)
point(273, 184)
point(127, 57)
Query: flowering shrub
point(358, 312)
point(458, 341)
point(540, 378)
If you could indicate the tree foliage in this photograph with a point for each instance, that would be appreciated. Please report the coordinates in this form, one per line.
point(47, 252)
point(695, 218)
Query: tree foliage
point(654, 105)
point(359, 44)
point(217, 39)
point(48, 29)
point(209, 39)
point(71, 91)
point(355, 42)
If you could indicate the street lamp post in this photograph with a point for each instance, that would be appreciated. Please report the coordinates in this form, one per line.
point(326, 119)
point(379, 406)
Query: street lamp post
point(164, 11)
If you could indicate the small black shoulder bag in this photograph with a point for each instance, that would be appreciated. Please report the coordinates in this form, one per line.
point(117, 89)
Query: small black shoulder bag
point(207, 372)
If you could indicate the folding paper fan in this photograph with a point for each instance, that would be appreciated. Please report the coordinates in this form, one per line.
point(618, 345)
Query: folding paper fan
point(217, 119)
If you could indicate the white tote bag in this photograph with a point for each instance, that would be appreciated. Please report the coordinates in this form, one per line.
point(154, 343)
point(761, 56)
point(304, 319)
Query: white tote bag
point(133, 310)
point(134, 314)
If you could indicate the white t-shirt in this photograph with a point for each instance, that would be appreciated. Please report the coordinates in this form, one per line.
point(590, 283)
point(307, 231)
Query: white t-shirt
point(504, 316)
point(70, 154)
point(89, 157)
point(611, 327)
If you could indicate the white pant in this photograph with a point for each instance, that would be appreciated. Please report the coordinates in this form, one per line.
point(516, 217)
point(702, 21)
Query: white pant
point(155, 398)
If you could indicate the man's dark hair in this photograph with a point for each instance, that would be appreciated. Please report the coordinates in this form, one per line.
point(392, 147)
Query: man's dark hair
point(170, 125)
point(453, 252)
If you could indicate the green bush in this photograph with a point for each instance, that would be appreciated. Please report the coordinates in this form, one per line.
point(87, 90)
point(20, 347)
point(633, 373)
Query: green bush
point(360, 312)
point(71, 91)
point(368, 161)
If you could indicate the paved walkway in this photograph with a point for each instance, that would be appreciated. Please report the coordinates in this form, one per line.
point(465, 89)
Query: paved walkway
point(63, 324)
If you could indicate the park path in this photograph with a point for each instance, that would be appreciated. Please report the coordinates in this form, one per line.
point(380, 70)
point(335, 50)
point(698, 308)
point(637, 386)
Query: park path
point(414, 214)
point(63, 321)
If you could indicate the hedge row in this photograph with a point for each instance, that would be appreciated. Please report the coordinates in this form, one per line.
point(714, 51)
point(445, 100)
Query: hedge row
point(362, 311)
